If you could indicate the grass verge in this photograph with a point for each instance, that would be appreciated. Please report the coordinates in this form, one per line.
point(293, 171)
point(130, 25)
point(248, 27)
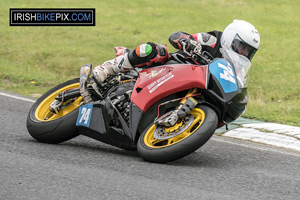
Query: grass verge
point(34, 59)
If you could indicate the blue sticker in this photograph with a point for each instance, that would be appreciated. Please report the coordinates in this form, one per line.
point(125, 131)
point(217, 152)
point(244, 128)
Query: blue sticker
point(84, 116)
point(224, 72)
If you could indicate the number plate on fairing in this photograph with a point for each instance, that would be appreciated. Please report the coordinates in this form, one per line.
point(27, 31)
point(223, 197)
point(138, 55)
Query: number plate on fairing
point(224, 73)
point(84, 116)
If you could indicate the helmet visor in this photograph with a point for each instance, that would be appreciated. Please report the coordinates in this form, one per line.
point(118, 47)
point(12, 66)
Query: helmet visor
point(241, 47)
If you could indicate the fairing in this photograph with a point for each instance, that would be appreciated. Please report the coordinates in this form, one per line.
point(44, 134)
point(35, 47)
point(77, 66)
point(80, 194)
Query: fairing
point(228, 85)
point(156, 83)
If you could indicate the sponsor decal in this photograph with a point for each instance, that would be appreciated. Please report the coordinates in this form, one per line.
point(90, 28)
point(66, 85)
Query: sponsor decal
point(155, 72)
point(126, 81)
point(156, 84)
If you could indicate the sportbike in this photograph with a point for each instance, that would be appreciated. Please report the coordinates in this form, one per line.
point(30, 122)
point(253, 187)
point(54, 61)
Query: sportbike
point(164, 112)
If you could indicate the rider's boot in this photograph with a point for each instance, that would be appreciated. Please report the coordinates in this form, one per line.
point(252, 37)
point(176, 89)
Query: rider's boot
point(116, 65)
point(85, 72)
point(101, 72)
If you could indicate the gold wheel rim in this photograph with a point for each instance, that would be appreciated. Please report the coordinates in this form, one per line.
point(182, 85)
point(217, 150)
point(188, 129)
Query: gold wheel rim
point(152, 142)
point(43, 109)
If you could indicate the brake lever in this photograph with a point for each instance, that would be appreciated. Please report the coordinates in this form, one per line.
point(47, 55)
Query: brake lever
point(184, 50)
point(198, 48)
point(196, 53)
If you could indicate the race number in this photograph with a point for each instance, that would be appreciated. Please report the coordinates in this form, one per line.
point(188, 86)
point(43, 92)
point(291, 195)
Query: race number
point(224, 73)
point(84, 116)
point(227, 73)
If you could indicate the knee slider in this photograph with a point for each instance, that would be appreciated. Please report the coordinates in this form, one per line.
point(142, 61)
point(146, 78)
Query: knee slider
point(145, 50)
point(141, 55)
point(147, 54)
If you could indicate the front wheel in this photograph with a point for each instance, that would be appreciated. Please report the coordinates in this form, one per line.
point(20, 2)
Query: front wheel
point(58, 127)
point(195, 132)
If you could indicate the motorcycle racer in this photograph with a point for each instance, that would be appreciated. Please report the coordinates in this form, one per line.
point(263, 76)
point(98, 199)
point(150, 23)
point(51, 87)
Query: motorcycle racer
point(239, 36)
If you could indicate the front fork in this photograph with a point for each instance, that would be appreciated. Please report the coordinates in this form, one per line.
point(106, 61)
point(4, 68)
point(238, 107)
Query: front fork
point(186, 105)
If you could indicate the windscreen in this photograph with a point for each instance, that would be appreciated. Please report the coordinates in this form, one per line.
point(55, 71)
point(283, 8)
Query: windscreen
point(241, 64)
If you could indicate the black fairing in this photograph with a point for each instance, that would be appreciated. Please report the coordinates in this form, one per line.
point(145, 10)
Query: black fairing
point(229, 106)
point(236, 106)
point(107, 125)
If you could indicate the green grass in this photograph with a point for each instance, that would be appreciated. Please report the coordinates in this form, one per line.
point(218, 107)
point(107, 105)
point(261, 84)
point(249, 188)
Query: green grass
point(34, 59)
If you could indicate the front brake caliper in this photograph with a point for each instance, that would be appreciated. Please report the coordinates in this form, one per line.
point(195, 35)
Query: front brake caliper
point(163, 133)
point(169, 119)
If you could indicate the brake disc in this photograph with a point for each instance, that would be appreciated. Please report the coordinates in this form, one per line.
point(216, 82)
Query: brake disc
point(164, 133)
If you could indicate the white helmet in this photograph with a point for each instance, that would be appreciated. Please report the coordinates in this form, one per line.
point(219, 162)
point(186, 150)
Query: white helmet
point(241, 37)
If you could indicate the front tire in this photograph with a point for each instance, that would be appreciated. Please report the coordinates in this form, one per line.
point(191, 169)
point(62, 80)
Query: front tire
point(59, 127)
point(162, 151)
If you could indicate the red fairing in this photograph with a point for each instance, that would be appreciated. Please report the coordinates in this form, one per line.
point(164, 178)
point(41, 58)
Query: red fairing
point(156, 83)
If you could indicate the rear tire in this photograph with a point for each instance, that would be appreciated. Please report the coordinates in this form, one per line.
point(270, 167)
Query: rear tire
point(162, 151)
point(60, 127)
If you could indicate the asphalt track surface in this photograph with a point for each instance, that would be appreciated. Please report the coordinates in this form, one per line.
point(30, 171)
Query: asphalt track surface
point(83, 168)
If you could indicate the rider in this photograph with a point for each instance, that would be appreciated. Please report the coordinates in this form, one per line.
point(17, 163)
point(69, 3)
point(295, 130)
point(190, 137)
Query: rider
point(239, 36)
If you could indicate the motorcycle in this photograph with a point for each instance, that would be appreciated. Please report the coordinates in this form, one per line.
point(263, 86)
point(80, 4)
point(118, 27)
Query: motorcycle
point(164, 112)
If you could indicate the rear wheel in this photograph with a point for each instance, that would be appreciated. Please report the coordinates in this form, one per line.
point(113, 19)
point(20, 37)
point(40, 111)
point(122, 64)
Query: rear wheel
point(156, 144)
point(54, 128)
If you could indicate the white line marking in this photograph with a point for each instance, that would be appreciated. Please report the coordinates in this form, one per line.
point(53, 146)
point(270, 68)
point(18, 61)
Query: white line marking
point(257, 146)
point(260, 136)
point(17, 97)
point(287, 130)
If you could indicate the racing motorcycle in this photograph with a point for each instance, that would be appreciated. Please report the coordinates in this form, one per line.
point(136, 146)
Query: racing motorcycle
point(164, 112)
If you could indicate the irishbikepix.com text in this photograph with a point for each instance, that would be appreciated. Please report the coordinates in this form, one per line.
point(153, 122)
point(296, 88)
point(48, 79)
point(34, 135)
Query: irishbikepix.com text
point(52, 17)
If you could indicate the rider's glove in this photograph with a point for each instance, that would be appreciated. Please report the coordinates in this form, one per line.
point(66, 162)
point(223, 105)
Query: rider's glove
point(190, 47)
